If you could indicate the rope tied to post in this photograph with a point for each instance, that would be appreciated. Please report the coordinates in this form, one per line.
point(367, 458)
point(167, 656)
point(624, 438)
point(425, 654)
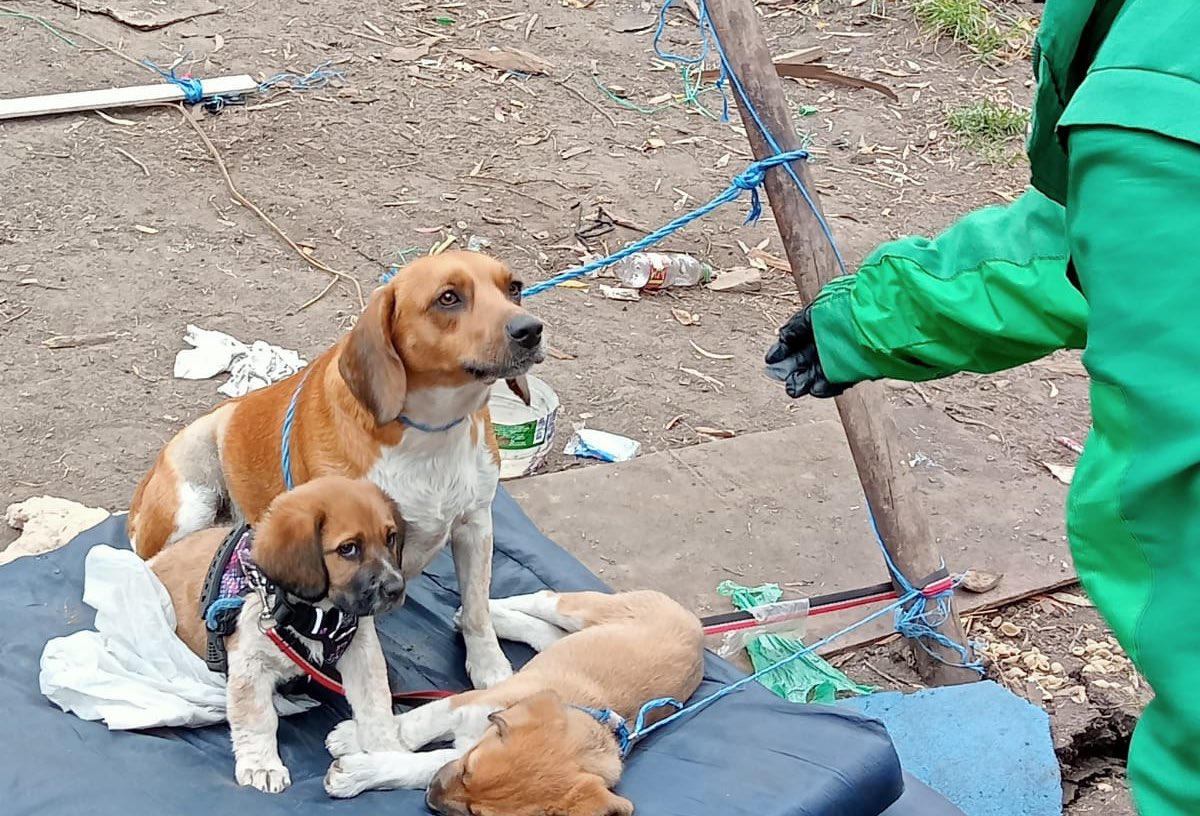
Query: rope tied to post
point(749, 180)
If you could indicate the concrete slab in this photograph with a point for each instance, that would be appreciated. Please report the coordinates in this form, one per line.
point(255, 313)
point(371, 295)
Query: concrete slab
point(786, 506)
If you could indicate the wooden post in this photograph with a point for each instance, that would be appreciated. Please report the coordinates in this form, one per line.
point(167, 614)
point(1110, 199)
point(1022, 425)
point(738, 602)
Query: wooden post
point(866, 416)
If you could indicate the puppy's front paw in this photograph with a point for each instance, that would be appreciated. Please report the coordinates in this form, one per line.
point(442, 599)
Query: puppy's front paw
point(348, 776)
point(267, 778)
point(486, 664)
point(343, 739)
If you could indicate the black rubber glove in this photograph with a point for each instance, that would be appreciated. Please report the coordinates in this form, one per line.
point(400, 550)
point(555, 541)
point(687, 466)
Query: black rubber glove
point(793, 360)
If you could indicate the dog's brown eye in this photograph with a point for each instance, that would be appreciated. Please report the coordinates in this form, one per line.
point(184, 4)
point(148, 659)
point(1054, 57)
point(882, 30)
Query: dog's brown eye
point(349, 549)
point(514, 290)
point(449, 298)
point(393, 541)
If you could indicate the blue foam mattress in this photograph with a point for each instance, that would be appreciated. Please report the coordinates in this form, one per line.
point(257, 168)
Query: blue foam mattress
point(750, 753)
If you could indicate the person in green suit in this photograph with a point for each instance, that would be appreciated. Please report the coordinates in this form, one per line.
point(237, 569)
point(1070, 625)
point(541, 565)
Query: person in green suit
point(1101, 253)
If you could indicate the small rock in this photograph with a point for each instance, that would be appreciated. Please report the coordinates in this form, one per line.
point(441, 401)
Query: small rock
point(1009, 629)
point(978, 581)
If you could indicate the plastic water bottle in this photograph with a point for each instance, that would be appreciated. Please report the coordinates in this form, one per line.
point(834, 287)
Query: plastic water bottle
point(655, 270)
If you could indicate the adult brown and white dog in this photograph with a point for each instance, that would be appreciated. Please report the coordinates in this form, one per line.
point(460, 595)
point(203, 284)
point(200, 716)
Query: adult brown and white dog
point(534, 744)
point(332, 543)
point(400, 400)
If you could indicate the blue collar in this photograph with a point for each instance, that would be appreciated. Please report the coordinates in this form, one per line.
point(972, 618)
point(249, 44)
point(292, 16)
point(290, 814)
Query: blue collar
point(614, 722)
point(428, 428)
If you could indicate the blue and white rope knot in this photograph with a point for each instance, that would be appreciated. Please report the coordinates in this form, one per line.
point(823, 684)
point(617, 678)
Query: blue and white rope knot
point(193, 90)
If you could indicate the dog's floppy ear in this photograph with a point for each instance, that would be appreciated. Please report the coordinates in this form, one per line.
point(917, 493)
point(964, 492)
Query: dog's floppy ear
point(520, 387)
point(287, 548)
point(591, 797)
point(401, 527)
point(369, 362)
point(496, 718)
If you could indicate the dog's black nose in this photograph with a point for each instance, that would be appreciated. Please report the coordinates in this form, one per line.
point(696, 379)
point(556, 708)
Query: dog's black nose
point(525, 331)
point(393, 588)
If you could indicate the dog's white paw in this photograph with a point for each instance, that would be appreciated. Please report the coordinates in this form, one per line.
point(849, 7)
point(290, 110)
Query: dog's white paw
point(267, 778)
point(349, 776)
point(486, 664)
point(343, 739)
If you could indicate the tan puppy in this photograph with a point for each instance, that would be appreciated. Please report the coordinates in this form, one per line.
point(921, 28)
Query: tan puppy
point(400, 400)
point(334, 543)
point(522, 748)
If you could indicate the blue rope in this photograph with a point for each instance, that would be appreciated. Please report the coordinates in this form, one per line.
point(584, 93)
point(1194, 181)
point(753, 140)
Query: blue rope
point(289, 419)
point(916, 621)
point(318, 77)
point(710, 39)
point(912, 618)
point(748, 180)
point(641, 730)
point(193, 91)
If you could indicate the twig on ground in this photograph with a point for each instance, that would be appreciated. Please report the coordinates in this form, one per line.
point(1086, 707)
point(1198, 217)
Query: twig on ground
point(335, 274)
point(130, 156)
point(895, 680)
point(592, 102)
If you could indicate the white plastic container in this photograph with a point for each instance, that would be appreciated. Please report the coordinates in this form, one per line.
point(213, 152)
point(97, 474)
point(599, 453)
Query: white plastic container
point(525, 432)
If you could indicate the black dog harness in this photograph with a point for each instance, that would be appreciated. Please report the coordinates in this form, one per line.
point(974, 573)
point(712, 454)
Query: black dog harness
point(232, 575)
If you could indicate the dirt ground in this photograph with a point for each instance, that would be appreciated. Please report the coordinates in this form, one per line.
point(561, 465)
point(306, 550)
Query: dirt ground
point(121, 226)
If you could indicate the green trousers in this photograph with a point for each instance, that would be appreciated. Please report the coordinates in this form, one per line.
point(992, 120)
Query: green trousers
point(988, 294)
point(1133, 218)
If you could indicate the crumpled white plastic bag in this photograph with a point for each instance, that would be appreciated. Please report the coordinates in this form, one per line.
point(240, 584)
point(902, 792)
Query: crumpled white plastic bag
point(250, 367)
point(132, 671)
point(607, 447)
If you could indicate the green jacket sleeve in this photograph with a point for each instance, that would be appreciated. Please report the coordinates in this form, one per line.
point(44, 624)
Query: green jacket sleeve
point(989, 293)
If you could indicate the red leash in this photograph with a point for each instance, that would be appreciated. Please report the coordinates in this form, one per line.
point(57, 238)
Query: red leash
point(713, 625)
point(325, 681)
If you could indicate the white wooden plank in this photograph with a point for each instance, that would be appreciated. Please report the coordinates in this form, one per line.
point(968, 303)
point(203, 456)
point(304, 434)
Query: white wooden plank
point(132, 97)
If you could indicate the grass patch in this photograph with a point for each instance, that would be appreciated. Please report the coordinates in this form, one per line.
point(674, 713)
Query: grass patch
point(967, 21)
point(988, 126)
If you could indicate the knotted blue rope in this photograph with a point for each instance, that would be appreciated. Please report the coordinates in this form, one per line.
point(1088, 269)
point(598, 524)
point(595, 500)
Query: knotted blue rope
point(749, 180)
point(916, 620)
point(710, 41)
point(193, 90)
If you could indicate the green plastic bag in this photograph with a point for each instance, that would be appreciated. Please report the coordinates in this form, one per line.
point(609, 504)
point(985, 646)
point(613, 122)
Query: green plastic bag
point(808, 679)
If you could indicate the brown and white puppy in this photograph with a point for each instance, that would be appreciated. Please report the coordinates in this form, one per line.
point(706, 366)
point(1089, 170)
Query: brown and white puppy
point(400, 400)
point(522, 748)
point(333, 542)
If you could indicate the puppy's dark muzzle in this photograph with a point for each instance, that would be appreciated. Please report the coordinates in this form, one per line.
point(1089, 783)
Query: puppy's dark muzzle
point(373, 593)
point(389, 593)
